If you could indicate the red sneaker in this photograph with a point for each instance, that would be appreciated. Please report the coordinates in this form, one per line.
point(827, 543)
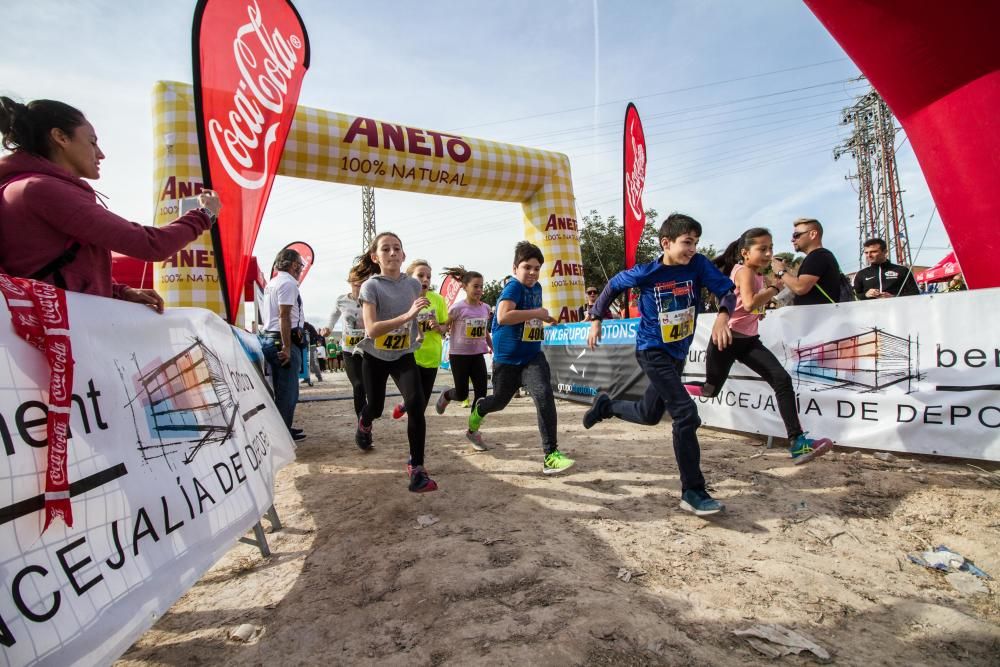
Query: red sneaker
point(399, 411)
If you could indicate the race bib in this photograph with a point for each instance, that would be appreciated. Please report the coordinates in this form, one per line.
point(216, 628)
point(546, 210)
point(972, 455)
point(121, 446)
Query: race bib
point(676, 325)
point(475, 327)
point(353, 336)
point(533, 331)
point(426, 322)
point(395, 340)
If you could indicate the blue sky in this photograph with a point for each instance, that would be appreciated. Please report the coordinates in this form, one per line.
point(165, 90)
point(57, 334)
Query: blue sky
point(740, 103)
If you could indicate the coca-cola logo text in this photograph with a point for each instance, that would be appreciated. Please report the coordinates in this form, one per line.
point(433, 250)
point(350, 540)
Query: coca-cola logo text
point(58, 360)
point(635, 179)
point(49, 305)
point(9, 287)
point(57, 453)
point(265, 71)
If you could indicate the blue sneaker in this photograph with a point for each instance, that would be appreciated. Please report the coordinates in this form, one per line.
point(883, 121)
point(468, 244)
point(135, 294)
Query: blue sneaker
point(599, 410)
point(804, 450)
point(699, 503)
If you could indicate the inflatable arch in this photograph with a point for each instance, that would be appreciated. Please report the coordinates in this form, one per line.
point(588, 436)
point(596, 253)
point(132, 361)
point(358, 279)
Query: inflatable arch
point(335, 147)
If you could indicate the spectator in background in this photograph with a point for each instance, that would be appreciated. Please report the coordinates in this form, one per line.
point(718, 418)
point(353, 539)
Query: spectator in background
point(882, 279)
point(592, 293)
point(53, 228)
point(313, 338)
point(283, 338)
point(819, 271)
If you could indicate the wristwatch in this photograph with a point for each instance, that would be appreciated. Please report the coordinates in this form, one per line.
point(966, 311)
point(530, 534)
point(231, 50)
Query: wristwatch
point(781, 273)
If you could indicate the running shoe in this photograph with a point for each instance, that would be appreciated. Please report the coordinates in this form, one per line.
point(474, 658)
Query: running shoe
point(699, 503)
point(398, 411)
point(420, 482)
point(299, 437)
point(442, 402)
point(804, 450)
point(555, 462)
point(465, 403)
point(363, 437)
point(599, 410)
point(476, 438)
point(296, 430)
point(475, 420)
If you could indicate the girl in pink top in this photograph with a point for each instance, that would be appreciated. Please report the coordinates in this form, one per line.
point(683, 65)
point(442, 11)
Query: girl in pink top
point(745, 260)
point(469, 326)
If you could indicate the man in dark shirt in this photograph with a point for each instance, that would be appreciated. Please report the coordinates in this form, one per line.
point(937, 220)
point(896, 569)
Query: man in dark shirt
point(818, 270)
point(882, 279)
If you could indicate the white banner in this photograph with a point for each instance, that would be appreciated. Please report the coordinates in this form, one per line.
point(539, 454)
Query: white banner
point(175, 443)
point(915, 374)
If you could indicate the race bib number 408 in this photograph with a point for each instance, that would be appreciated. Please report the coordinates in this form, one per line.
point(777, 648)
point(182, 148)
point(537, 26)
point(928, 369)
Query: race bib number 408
point(533, 331)
point(676, 325)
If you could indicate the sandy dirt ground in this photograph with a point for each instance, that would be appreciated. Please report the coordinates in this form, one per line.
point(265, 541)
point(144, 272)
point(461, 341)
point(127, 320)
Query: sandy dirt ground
point(597, 566)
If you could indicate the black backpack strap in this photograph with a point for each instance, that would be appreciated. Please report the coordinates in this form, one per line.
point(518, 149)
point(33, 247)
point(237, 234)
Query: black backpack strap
point(55, 267)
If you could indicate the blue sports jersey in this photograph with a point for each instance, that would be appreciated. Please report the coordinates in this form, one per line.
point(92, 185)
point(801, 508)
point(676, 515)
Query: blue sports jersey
point(517, 344)
point(669, 300)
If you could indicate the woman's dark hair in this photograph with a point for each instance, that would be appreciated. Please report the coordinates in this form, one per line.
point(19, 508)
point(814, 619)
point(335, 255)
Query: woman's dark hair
point(460, 274)
point(26, 127)
point(732, 255)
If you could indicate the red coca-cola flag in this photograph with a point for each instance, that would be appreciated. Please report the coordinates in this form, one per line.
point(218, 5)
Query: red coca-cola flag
point(450, 289)
point(305, 252)
point(249, 60)
point(634, 180)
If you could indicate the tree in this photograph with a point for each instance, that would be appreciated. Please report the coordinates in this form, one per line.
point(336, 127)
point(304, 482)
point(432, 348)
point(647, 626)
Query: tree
point(602, 245)
point(491, 292)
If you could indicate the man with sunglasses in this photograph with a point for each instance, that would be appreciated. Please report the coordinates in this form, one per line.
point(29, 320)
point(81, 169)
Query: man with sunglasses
point(819, 269)
point(592, 293)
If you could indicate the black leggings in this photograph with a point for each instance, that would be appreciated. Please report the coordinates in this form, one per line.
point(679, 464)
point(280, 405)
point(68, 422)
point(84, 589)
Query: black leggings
point(353, 365)
point(752, 353)
point(427, 377)
point(534, 376)
point(404, 372)
point(463, 368)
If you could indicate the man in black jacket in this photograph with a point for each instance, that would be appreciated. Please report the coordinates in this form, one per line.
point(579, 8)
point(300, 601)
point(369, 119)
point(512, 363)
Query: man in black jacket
point(882, 279)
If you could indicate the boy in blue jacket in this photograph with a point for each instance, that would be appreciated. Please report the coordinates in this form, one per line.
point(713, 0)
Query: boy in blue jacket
point(669, 294)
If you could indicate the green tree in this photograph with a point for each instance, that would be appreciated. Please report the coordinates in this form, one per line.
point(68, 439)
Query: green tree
point(491, 292)
point(602, 244)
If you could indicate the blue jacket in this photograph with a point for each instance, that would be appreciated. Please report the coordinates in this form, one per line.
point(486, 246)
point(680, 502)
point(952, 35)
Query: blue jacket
point(669, 300)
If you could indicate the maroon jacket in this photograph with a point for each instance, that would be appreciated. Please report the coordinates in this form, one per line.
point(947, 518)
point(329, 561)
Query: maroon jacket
point(42, 215)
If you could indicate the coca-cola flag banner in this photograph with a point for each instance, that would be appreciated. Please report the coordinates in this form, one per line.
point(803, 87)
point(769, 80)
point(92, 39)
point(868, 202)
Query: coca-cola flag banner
point(305, 252)
point(450, 289)
point(937, 66)
point(250, 57)
point(634, 180)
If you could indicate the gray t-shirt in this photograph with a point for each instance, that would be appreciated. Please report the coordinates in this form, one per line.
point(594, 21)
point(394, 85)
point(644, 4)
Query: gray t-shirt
point(391, 298)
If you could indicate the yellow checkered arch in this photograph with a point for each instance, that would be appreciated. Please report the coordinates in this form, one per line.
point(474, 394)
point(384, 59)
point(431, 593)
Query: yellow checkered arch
point(335, 147)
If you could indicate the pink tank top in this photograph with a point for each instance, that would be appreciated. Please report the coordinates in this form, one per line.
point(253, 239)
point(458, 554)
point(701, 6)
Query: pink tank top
point(743, 321)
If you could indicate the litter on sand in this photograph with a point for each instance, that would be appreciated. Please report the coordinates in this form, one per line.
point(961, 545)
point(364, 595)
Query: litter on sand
point(425, 520)
point(776, 641)
point(944, 559)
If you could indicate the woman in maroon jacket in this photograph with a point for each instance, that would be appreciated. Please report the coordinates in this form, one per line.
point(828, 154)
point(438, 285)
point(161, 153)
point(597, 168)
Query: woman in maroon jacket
point(52, 226)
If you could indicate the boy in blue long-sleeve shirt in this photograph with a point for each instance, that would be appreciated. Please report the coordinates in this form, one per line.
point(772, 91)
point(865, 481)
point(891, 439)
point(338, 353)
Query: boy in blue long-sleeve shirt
point(670, 288)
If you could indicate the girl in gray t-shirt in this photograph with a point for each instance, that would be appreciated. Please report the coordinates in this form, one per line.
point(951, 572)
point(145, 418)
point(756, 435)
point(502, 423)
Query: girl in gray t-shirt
point(390, 303)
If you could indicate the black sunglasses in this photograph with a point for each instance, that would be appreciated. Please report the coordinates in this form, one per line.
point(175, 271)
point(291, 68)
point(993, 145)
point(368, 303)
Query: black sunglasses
point(591, 291)
point(796, 235)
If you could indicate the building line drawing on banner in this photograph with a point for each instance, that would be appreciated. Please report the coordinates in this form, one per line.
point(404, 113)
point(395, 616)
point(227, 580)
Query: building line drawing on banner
point(186, 403)
point(867, 362)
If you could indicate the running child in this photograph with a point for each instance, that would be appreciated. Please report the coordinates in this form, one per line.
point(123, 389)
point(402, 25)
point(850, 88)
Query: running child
point(390, 303)
point(517, 354)
point(470, 341)
point(670, 287)
point(744, 261)
point(432, 325)
point(348, 307)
